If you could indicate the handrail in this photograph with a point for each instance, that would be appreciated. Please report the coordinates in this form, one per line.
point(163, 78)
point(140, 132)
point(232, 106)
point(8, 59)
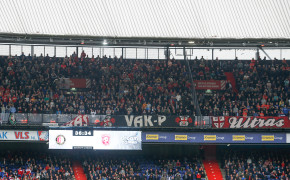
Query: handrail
point(194, 96)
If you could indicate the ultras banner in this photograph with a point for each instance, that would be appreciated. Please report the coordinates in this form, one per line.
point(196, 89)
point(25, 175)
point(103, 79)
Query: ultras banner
point(128, 121)
point(233, 122)
point(93, 139)
point(202, 137)
point(14, 135)
point(147, 121)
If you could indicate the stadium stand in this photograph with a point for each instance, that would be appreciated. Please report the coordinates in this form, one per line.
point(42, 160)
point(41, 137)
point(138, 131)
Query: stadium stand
point(256, 164)
point(141, 168)
point(35, 165)
point(29, 85)
point(262, 87)
point(119, 86)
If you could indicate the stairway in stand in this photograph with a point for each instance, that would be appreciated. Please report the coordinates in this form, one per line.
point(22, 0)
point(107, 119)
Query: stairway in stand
point(210, 163)
point(231, 78)
point(79, 171)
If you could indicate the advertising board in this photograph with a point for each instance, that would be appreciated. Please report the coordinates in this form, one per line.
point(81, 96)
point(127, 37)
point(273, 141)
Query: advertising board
point(203, 137)
point(21, 135)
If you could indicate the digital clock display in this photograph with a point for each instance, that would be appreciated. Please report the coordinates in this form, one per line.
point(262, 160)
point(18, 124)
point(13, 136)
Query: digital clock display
point(83, 133)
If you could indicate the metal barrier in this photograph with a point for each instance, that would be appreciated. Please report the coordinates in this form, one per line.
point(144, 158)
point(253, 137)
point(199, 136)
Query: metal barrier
point(31, 119)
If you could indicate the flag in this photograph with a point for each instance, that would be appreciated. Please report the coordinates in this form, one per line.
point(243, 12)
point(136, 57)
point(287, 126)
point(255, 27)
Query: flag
point(11, 119)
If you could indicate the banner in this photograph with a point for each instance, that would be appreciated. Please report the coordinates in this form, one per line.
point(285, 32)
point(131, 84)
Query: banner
point(80, 120)
point(13, 135)
point(288, 138)
point(68, 83)
point(210, 84)
point(147, 121)
point(93, 139)
point(203, 137)
point(233, 122)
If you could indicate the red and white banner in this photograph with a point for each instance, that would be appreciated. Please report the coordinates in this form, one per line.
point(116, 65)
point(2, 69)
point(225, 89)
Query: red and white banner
point(80, 120)
point(68, 83)
point(210, 84)
point(233, 122)
point(13, 135)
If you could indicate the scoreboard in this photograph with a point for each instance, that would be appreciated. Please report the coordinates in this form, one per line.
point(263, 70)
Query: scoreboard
point(95, 139)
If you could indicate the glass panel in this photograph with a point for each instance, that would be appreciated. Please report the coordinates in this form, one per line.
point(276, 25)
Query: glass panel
point(273, 53)
point(141, 53)
point(224, 54)
point(286, 54)
point(246, 54)
point(118, 52)
point(38, 50)
point(176, 53)
point(60, 51)
point(130, 53)
point(152, 53)
point(71, 50)
point(80, 51)
point(49, 50)
point(189, 53)
point(49, 118)
point(26, 50)
point(15, 50)
point(21, 118)
point(64, 118)
point(34, 118)
point(109, 52)
point(96, 52)
point(162, 53)
point(5, 117)
point(4, 50)
point(88, 51)
point(198, 53)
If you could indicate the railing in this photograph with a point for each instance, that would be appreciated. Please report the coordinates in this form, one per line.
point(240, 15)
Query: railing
point(145, 121)
point(30, 119)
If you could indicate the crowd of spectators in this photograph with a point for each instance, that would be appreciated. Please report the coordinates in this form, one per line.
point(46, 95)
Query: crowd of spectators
point(34, 166)
point(118, 86)
point(262, 87)
point(145, 169)
point(257, 165)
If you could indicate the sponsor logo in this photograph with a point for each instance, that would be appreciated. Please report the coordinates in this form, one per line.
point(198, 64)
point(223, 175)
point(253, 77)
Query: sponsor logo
point(268, 138)
point(278, 138)
point(180, 137)
point(3, 135)
point(129, 140)
point(60, 139)
point(21, 134)
point(183, 120)
point(152, 136)
point(162, 137)
point(250, 138)
point(191, 137)
point(106, 139)
point(210, 137)
point(239, 137)
point(43, 135)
